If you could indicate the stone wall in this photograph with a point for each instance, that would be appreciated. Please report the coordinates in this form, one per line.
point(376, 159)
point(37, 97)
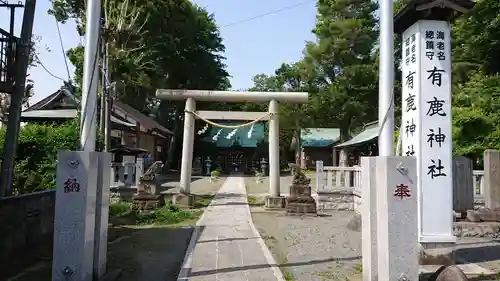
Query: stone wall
point(27, 230)
point(336, 199)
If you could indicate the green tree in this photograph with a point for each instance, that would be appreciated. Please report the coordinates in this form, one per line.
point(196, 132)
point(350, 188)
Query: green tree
point(155, 44)
point(35, 167)
point(346, 33)
point(476, 41)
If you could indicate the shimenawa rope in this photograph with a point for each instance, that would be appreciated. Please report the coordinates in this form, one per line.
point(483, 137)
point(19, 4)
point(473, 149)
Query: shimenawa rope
point(229, 126)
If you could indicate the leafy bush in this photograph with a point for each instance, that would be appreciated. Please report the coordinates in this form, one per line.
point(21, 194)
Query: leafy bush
point(169, 214)
point(215, 173)
point(36, 158)
point(120, 209)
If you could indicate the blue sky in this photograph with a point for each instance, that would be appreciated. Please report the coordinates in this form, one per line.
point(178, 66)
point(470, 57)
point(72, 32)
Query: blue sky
point(253, 46)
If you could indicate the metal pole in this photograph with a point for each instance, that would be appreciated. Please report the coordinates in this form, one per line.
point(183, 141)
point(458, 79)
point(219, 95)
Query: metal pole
point(386, 80)
point(16, 99)
point(107, 103)
point(90, 77)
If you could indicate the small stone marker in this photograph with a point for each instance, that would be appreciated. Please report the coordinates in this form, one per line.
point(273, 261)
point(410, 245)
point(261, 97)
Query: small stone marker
point(492, 179)
point(397, 226)
point(74, 221)
point(463, 185)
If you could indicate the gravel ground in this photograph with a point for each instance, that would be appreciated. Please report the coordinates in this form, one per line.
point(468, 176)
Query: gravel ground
point(311, 248)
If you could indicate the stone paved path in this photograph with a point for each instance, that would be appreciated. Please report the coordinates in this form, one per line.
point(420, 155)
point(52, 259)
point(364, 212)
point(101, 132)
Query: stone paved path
point(228, 247)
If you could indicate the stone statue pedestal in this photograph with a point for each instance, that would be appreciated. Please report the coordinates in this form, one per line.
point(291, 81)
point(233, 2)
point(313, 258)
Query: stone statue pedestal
point(183, 200)
point(147, 197)
point(144, 202)
point(300, 201)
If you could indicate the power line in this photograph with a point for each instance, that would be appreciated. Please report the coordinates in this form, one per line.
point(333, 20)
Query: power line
point(46, 69)
point(268, 13)
point(62, 49)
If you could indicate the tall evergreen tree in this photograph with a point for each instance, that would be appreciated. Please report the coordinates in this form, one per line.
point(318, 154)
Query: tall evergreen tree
point(346, 32)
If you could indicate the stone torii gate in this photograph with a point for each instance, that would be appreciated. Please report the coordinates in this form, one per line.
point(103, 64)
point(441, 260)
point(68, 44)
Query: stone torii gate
point(274, 200)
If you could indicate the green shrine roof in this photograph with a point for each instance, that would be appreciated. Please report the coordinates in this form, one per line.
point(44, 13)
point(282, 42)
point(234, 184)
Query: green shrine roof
point(369, 132)
point(240, 137)
point(319, 137)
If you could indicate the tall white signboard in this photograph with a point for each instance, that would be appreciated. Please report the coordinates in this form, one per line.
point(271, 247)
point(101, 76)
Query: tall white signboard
point(426, 105)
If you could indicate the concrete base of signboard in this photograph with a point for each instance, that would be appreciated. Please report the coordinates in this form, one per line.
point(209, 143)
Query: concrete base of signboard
point(275, 202)
point(437, 254)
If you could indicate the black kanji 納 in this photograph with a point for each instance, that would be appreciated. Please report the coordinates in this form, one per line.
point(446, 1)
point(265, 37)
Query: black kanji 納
point(71, 185)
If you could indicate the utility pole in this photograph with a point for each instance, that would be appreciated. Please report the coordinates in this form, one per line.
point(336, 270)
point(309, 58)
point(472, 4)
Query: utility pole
point(103, 86)
point(107, 101)
point(90, 77)
point(12, 7)
point(386, 80)
point(16, 99)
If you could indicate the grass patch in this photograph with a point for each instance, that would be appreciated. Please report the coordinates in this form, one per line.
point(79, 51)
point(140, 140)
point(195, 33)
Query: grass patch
point(120, 209)
point(288, 276)
point(122, 213)
point(167, 215)
point(358, 267)
point(202, 201)
point(254, 201)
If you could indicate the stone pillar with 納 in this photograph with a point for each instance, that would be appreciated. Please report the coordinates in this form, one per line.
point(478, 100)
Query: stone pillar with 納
point(426, 106)
point(74, 220)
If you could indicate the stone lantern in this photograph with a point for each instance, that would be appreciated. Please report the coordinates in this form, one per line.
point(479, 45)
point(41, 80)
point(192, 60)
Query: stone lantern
point(208, 165)
point(263, 166)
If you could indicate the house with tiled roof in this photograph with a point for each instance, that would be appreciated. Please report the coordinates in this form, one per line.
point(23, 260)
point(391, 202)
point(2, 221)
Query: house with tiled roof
point(129, 127)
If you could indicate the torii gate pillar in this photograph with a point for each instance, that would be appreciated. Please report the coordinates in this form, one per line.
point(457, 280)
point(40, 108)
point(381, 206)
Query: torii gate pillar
point(274, 150)
point(187, 146)
point(274, 200)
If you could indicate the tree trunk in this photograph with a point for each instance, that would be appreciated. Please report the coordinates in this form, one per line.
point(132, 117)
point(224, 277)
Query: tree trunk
point(172, 151)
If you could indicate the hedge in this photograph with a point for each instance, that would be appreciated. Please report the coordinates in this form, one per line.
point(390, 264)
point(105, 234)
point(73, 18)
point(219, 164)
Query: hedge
point(35, 162)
